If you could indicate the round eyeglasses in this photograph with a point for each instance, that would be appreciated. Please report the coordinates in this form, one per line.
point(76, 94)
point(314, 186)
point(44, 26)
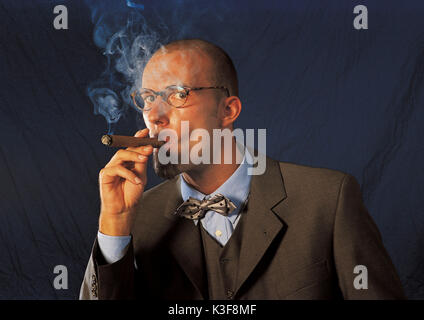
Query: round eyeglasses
point(175, 96)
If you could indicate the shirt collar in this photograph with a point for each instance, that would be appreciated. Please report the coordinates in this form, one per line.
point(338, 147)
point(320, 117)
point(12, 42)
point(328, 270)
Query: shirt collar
point(236, 187)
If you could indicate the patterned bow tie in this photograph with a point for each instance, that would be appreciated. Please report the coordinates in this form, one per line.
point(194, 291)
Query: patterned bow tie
point(196, 209)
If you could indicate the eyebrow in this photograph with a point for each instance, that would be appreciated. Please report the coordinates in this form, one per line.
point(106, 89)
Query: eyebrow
point(172, 85)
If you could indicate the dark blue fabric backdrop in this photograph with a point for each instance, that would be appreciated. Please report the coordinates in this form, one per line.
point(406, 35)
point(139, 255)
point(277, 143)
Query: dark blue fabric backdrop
point(328, 95)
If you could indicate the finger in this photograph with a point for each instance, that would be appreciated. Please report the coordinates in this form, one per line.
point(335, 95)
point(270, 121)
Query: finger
point(142, 133)
point(124, 155)
point(140, 169)
point(144, 150)
point(108, 175)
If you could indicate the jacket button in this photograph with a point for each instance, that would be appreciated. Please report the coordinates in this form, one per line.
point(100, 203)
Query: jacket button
point(94, 285)
point(230, 294)
point(94, 292)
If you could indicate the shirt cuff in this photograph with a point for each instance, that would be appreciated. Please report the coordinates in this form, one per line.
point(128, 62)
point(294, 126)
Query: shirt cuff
point(113, 248)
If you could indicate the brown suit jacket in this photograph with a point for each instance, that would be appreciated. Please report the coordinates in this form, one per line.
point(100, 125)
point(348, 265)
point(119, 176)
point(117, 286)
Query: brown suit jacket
point(305, 231)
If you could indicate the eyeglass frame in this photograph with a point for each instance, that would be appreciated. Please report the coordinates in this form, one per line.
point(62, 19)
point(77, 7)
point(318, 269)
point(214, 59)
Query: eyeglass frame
point(187, 90)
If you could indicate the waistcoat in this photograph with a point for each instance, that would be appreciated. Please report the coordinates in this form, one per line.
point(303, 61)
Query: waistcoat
point(222, 262)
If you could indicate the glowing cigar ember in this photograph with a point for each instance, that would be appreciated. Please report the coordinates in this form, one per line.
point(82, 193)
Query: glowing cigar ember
point(111, 140)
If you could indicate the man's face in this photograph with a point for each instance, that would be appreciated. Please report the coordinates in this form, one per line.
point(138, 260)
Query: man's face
point(190, 68)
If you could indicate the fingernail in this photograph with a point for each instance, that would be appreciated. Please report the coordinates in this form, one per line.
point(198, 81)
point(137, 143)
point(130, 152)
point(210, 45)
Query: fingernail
point(141, 157)
point(137, 180)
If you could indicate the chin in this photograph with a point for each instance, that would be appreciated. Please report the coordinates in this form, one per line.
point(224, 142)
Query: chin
point(168, 171)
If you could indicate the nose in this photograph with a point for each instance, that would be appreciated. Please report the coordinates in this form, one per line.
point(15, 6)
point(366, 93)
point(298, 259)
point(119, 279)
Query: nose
point(159, 113)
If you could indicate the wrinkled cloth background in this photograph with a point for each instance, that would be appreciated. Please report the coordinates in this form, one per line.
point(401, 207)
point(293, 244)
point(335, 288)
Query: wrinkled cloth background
point(328, 95)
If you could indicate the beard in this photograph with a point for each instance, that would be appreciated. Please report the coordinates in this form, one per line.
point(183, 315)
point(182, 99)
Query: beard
point(168, 171)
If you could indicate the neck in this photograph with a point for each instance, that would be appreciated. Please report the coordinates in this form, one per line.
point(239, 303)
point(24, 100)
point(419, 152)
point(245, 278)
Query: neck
point(209, 177)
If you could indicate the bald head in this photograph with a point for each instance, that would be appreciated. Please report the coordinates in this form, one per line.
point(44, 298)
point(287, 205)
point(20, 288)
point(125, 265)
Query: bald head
point(220, 71)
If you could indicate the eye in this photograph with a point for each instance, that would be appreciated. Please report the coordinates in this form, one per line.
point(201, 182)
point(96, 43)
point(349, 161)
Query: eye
point(181, 95)
point(177, 98)
point(149, 99)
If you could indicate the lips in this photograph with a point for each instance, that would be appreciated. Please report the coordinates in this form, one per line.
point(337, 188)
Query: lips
point(167, 138)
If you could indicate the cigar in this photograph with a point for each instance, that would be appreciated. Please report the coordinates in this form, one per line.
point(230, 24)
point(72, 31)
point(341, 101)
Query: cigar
point(112, 140)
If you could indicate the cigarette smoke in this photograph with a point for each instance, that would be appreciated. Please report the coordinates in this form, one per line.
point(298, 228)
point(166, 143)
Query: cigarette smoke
point(127, 41)
point(129, 32)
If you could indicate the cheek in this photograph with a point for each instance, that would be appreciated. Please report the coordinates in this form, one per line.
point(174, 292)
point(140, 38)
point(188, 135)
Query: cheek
point(148, 124)
point(193, 115)
point(145, 120)
point(201, 116)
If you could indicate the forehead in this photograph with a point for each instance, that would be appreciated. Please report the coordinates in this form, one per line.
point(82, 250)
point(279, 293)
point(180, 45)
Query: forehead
point(190, 67)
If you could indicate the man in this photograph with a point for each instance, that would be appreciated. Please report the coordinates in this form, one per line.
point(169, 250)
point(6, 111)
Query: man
point(294, 232)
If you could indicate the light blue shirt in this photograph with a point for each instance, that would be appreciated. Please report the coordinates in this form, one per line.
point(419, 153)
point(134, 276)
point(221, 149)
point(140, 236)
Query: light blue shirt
point(236, 188)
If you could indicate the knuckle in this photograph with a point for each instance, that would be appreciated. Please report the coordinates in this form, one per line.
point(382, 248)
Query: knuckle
point(119, 153)
point(102, 174)
point(119, 168)
point(125, 172)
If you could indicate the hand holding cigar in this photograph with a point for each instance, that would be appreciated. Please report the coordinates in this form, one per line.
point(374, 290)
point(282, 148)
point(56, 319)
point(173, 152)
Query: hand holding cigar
point(111, 140)
point(122, 181)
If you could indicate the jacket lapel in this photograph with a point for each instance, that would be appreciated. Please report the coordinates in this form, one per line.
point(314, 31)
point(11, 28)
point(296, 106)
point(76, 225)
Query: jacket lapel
point(185, 244)
point(262, 224)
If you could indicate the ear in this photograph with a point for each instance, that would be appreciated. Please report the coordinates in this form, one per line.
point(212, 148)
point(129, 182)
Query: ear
point(230, 111)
